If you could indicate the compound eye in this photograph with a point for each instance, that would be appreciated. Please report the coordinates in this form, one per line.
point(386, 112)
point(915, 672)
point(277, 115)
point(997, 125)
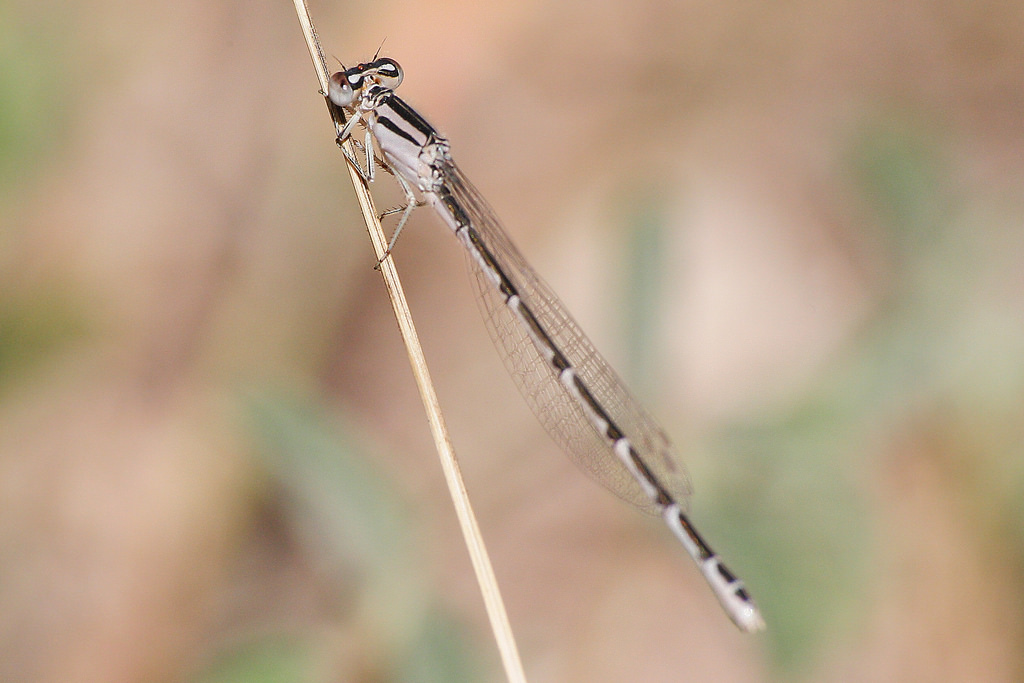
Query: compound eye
point(342, 90)
point(389, 73)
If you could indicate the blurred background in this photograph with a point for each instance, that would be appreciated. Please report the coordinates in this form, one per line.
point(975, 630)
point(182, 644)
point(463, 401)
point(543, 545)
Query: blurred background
point(795, 228)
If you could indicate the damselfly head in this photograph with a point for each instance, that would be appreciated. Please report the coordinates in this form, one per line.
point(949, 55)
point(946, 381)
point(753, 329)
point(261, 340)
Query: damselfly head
point(347, 86)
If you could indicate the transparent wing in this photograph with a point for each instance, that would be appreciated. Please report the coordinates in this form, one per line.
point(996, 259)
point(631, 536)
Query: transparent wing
point(557, 409)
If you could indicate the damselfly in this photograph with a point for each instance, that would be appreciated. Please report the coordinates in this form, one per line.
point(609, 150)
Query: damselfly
point(573, 391)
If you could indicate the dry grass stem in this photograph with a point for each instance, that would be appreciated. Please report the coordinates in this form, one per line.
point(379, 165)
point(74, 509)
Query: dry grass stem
point(467, 520)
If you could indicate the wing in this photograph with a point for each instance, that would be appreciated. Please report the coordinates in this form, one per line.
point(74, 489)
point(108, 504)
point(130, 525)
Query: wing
point(560, 410)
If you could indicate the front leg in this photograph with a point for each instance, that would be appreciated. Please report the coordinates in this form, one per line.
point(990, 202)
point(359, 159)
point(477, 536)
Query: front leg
point(345, 134)
point(368, 148)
